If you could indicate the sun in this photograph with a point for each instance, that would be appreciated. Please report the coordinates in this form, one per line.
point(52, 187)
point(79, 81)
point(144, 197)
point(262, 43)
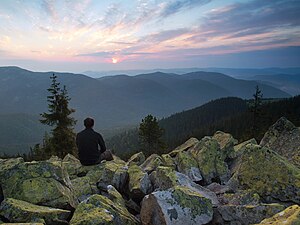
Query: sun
point(114, 60)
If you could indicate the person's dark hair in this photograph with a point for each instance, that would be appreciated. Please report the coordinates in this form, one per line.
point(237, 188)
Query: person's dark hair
point(88, 122)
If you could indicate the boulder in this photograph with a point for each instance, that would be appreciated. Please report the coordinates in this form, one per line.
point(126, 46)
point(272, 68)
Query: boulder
point(41, 183)
point(21, 211)
point(115, 196)
point(210, 161)
point(120, 179)
point(136, 159)
point(187, 165)
point(151, 163)
point(248, 214)
point(83, 189)
point(268, 174)
point(178, 205)
point(168, 161)
point(166, 178)
point(226, 142)
point(139, 183)
point(72, 165)
point(184, 147)
point(289, 216)
point(238, 149)
point(284, 138)
point(241, 197)
point(99, 209)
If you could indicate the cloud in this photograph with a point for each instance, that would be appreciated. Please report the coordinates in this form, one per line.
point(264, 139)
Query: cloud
point(173, 7)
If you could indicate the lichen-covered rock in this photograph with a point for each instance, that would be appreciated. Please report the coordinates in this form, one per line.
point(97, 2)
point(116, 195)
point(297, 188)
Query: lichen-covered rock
point(248, 214)
point(218, 188)
point(41, 183)
point(166, 178)
point(226, 142)
point(268, 174)
point(71, 164)
point(120, 178)
point(242, 146)
point(211, 161)
point(178, 205)
point(114, 195)
point(82, 188)
point(184, 147)
point(289, 216)
point(6, 164)
point(187, 165)
point(21, 211)
point(151, 163)
point(168, 161)
point(99, 209)
point(139, 183)
point(21, 223)
point(284, 138)
point(136, 159)
point(241, 197)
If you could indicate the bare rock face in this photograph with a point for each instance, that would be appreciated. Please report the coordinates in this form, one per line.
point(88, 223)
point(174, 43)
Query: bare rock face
point(284, 138)
point(178, 205)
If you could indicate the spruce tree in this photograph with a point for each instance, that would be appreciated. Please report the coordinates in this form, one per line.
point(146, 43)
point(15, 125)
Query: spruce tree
point(256, 109)
point(150, 135)
point(62, 138)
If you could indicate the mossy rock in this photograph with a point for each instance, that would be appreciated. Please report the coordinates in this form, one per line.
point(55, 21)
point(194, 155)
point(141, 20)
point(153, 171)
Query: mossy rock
point(211, 161)
point(268, 174)
point(136, 159)
point(248, 214)
point(72, 165)
point(184, 147)
point(41, 183)
point(187, 165)
point(120, 179)
point(151, 163)
point(168, 161)
point(178, 205)
point(226, 142)
point(241, 197)
point(82, 188)
point(283, 137)
point(115, 196)
point(139, 183)
point(238, 149)
point(99, 209)
point(289, 216)
point(21, 223)
point(21, 211)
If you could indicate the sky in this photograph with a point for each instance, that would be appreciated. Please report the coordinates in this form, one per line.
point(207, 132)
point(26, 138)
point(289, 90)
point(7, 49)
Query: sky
point(99, 35)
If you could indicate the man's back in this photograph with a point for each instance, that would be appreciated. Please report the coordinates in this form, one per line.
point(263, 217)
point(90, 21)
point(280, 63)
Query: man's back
point(88, 142)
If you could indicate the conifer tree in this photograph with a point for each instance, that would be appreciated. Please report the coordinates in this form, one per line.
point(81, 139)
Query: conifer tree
point(150, 135)
point(256, 109)
point(62, 138)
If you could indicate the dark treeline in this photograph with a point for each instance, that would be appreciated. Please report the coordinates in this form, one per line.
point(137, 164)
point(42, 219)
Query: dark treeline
point(232, 115)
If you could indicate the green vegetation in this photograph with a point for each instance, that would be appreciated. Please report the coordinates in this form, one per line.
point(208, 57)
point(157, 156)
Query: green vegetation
point(150, 135)
point(232, 115)
point(62, 138)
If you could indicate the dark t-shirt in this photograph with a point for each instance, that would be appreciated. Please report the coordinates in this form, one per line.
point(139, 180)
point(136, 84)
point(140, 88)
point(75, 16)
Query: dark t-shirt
point(88, 142)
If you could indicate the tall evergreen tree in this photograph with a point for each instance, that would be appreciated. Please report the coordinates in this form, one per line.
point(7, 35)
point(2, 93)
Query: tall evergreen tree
point(150, 135)
point(62, 138)
point(256, 109)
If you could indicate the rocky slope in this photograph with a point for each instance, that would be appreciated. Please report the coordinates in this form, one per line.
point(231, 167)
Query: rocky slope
point(213, 181)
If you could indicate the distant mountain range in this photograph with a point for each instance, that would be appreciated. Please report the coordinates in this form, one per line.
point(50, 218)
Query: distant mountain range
point(118, 101)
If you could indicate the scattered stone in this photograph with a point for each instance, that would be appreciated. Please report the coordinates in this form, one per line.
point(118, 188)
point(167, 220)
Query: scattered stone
point(284, 138)
point(115, 196)
point(82, 188)
point(268, 174)
point(41, 183)
point(168, 161)
point(226, 142)
point(139, 183)
point(72, 165)
point(210, 161)
point(218, 188)
point(184, 147)
point(187, 165)
point(151, 163)
point(136, 159)
point(120, 178)
point(21, 211)
point(248, 214)
point(178, 205)
point(99, 209)
point(289, 216)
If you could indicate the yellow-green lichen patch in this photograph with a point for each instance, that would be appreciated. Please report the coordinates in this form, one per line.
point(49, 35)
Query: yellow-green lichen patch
point(289, 216)
point(226, 142)
point(21, 211)
point(270, 175)
point(151, 163)
point(168, 161)
point(187, 165)
point(186, 198)
point(101, 210)
point(165, 177)
point(137, 159)
point(210, 161)
point(184, 147)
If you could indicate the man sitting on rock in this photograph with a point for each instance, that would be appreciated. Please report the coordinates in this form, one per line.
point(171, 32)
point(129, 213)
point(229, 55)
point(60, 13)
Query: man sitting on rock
point(88, 142)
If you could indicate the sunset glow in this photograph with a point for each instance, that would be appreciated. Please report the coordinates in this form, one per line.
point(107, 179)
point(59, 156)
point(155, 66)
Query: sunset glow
point(168, 33)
